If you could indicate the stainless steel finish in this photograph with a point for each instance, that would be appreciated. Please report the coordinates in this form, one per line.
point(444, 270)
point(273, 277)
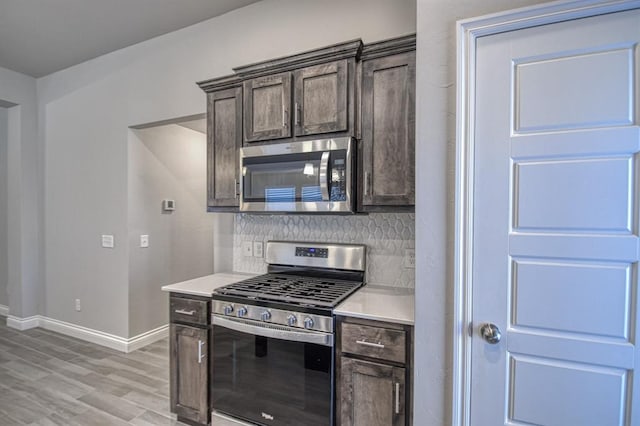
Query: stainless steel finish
point(235, 187)
point(324, 175)
point(365, 185)
point(341, 256)
point(397, 392)
point(200, 354)
point(308, 323)
point(184, 312)
point(490, 333)
point(322, 145)
point(291, 320)
point(273, 331)
point(284, 120)
point(265, 316)
point(228, 309)
point(278, 316)
point(242, 311)
point(373, 345)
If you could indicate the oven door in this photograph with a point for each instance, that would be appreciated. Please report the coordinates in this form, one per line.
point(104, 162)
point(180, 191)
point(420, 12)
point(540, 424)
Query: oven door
point(270, 375)
point(309, 176)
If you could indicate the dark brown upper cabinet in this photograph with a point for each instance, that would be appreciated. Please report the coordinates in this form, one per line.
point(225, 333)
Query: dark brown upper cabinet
point(267, 107)
point(224, 138)
point(321, 99)
point(387, 147)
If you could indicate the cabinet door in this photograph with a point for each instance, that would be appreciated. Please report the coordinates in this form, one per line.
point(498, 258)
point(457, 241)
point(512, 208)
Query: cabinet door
point(267, 106)
point(372, 394)
point(321, 99)
point(224, 138)
point(189, 347)
point(388, 132)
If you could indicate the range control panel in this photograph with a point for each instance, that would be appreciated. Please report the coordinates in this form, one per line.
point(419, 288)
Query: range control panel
point(312, 252)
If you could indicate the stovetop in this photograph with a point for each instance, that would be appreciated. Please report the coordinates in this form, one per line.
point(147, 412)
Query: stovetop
point(292, 289)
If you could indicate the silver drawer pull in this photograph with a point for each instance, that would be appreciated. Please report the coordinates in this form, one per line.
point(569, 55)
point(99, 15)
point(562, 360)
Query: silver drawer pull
point(200, 354)
point(183, 312)
point(373, 345)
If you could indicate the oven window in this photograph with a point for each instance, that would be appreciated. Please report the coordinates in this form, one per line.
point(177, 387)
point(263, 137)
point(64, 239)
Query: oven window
point(271, 381)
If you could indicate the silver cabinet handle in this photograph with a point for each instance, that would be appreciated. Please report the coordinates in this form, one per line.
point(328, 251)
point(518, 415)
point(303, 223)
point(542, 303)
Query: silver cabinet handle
point(367, 177)
point(284, 116)
point(235, 188)
point(200, 354)
point(373, 345)
point(397, 398)
point(324, 175)
point(183, 312)
point(297, 113)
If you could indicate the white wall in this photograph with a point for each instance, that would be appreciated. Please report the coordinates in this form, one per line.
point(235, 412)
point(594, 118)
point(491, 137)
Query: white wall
point(86, 110)
point(435, 186)
point(166, 162)
point(4, 275)
point(24, 195)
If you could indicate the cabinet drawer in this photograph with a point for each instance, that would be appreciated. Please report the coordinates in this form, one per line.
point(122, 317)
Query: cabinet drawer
point(374, 342)
point(191, 311)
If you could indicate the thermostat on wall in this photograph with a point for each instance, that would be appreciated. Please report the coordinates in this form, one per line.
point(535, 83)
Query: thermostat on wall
point(168, 205)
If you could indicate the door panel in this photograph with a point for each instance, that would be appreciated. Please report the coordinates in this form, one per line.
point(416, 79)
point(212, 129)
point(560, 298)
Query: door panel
point(555, 224)
point(570, 393)
point(583, 96)
point(267, 103)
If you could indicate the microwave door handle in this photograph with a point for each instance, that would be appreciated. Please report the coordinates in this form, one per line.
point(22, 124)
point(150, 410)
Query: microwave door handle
point(324, 175)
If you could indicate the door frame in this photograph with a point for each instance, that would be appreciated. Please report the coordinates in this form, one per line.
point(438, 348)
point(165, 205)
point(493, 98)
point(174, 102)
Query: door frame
point(468, 31)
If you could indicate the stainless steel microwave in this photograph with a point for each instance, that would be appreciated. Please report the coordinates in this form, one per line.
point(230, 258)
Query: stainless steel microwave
point(314, 176)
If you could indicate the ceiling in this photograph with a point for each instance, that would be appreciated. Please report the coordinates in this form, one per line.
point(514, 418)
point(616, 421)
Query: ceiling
point(38, 37)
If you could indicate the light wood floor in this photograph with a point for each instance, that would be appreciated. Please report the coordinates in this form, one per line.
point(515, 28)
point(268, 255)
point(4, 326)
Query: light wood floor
point(50, 379)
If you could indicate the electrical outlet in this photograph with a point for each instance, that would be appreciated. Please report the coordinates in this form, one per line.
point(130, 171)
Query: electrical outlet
point(78, 307)
point(247, 248)
point(409, 258)
point(257, 249)
point(144, 241)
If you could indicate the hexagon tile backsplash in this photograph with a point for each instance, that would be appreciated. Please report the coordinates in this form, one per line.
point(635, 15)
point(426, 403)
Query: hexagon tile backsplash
point(386, 236)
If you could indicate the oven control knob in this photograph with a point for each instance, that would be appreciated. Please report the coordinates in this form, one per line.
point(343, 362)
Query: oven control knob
point(291, 320)
point(242, 311)
point(228, 309)
point(266, 316)
point(308, 322)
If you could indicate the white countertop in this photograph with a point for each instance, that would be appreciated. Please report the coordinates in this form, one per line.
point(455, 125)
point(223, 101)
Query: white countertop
point(381, 303)
point(204, 286)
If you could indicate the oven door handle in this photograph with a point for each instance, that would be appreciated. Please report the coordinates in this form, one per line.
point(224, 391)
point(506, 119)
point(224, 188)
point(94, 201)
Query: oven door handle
point(275, 333)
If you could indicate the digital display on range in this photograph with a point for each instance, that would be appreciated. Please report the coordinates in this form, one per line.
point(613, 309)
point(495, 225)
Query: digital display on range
point(312, 252)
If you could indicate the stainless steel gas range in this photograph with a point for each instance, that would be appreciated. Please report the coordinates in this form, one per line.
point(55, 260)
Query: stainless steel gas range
point(273, 335)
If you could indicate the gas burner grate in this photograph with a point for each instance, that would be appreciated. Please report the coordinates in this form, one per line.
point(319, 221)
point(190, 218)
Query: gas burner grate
point(293, 289)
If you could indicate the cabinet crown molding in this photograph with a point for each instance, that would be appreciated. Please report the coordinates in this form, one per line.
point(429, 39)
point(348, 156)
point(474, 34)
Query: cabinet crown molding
point(388, 47)
point(335, 52)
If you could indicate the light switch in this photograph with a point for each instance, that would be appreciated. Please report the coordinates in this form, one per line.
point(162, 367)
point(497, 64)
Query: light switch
point(108, 241)
point(144, 241)
point(257, 249)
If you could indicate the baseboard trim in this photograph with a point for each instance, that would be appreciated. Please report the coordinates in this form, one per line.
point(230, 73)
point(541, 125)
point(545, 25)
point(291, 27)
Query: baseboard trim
point(89, 335)
point(4, 311)
point(23, 323)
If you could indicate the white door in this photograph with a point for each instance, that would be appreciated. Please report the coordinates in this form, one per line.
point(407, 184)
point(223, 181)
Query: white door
point(555, 224)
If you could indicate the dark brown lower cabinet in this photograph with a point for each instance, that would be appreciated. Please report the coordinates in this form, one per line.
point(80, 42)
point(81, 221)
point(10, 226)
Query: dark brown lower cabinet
point(374, 369)
point(189, 361)
point(372, 394)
